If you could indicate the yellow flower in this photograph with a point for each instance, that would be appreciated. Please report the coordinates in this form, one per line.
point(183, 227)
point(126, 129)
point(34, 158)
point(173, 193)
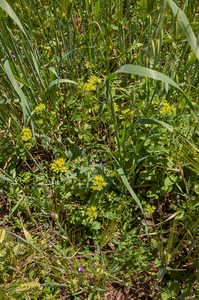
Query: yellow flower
point(150, 209)
point(64, 169)
point(91, 212)
point(94, 79)
point(167, 108)
point(59, 165)
point(127, 112)
point(91, 84)
point(26, 134)
point(99, 183)
point(40, 108)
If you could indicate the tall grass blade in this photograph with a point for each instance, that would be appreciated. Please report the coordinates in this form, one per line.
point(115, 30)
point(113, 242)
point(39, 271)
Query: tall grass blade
point(58, 81)
point(6, 7)
point(185, 26)
point(125, 181)
point(18, 90)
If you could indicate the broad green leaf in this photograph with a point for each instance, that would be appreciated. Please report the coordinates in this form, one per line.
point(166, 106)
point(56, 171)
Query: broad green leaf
point(8, 180)
point(96, 225)
point(153, 122)
point(20, 80)
point(57, 81)
point(162, 272)
point(166, 295)
point(53, 71)
point(142, 71)
point(185, 26)
point(129, 130)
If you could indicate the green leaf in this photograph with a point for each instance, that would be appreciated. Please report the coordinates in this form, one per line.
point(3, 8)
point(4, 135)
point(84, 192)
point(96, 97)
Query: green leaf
point(125, 181)
point(58, 81)
point(162, 272)
point(142, 71)
point(24, 102)
point(8, 180)
point(16, 205)
point(53, 71)
point(173, 288)
point(7, 8)
point(90, 296)
point(185, 26)
point(96, 225)
point(166, 295)
point(153, 122)
point(20, 80)
point(97, 9)
point(165, 190)
point(170, 180)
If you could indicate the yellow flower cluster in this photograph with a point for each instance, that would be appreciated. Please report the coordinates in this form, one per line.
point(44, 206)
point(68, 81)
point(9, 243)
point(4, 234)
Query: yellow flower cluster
point(91, 84)
point(91, 212)
point(99, 183)
point(27, 286)
point(167, 109)
point(26, 134)
point(116, 107)
point(94, 79)
point(150, 209)
point(59, 165)
point(127, 112)
point(40, 108)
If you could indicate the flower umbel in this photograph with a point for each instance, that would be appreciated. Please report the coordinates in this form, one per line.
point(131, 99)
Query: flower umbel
point(26, 134)
point(59, 165)
point(167, 108)
point(91, 84)
point(91, 212)
point(40, 108)
point(150, 209)
point(127, 112)
point(99, 183)
point(94, 79)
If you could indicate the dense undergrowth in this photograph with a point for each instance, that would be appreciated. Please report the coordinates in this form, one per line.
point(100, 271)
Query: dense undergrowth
point(99, 155)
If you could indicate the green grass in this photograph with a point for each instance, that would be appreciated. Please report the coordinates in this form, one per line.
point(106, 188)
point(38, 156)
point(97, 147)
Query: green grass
point(99, 149)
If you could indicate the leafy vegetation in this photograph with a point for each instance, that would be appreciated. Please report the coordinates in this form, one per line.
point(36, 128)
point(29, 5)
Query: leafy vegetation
point(99, 156)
